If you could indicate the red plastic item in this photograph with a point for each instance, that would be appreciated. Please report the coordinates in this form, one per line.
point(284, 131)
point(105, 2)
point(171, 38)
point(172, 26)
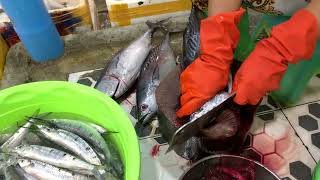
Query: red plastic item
point(208, 74)
point(263, 70)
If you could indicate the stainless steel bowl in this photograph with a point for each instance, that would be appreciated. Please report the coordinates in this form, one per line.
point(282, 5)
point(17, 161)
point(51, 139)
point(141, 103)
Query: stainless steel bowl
point(219, 167)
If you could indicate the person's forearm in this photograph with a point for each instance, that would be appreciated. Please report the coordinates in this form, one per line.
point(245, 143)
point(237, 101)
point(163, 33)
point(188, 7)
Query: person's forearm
point(219, 6)
point(314, 8)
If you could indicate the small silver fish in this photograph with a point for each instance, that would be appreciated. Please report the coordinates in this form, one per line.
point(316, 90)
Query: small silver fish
point(22, 174)
point(18, 136)
point(43, 171)
point(92, 136)
point(71, 142)
point(124, 68)
point(159, 63)
point(56, 158)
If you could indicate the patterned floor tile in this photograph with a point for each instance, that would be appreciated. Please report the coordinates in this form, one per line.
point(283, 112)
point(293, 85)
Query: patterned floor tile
point(312, 92)
point(305, 120)
point(275, 144)
point(267, 105)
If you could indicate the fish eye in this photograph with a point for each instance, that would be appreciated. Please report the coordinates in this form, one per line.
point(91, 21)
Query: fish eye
point(144, 107)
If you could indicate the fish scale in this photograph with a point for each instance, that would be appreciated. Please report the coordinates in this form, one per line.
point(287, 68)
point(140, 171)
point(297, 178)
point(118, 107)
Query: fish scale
point(191, 39)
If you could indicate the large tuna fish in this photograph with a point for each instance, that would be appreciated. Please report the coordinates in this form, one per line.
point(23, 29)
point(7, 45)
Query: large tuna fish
point(123, 70)
point(159, 63)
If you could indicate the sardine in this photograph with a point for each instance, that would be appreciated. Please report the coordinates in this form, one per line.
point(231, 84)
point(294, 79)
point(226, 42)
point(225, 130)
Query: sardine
point(191, 38)
point(15, 172)
point(18, 136)
point(71, 142)
point(159, 63)
point(124, 68)
point(45, 171)
point(92, 136)
point(57, 158)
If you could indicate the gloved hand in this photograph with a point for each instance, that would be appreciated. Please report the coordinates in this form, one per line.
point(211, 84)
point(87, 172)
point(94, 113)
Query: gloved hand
point(208, 74)
point(263, 70)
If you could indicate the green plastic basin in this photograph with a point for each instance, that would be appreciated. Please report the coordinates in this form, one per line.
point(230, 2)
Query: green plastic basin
point(53, 96)
point(316, 173)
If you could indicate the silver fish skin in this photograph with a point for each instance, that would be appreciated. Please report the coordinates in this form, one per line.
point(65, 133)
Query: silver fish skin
point(54, 157)
point(18, 136)
point(208, 106)
point(92, 136)
point(43, 171)
point(159, 63)
point(124, 68)
point(191, 39)
point(98, 128)
point(71, 142)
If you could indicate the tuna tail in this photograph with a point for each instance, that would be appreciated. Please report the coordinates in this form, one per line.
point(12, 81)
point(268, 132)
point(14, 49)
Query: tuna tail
point(159, 24)
point(97, 174)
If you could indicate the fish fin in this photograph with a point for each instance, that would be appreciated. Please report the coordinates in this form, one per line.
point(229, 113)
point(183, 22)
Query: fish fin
point(97, 174)
point(31, 128)
point(42, 121)
point(108, 133)
point(36, 113)
point(44, 115)
point(159, 24)
point(105, 172)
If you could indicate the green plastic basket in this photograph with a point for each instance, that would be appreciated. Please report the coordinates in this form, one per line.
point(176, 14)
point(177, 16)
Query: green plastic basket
point(23, 100)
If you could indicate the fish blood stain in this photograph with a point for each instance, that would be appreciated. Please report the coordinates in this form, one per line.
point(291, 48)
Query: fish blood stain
point(155, 150)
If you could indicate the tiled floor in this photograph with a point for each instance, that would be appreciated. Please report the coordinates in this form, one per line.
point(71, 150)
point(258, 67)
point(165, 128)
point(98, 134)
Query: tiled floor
point(285, 139)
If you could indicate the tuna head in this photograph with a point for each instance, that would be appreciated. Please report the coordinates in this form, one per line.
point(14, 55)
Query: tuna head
point(109, 85)
point(147, 108)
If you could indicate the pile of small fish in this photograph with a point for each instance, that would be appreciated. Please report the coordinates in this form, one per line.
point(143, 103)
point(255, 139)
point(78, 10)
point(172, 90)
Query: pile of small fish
point(77, 151)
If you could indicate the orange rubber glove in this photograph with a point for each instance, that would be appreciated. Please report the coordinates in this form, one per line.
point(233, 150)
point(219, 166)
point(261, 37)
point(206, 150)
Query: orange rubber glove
point(208, 74)
point(263, 70)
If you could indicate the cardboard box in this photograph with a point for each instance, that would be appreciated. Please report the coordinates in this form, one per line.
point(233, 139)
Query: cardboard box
point(126, 12)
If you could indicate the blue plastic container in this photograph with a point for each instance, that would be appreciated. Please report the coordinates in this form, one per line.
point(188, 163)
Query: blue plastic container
point(35, 28)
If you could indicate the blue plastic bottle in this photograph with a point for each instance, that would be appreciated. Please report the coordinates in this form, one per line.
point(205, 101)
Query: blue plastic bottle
point(35, 28)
